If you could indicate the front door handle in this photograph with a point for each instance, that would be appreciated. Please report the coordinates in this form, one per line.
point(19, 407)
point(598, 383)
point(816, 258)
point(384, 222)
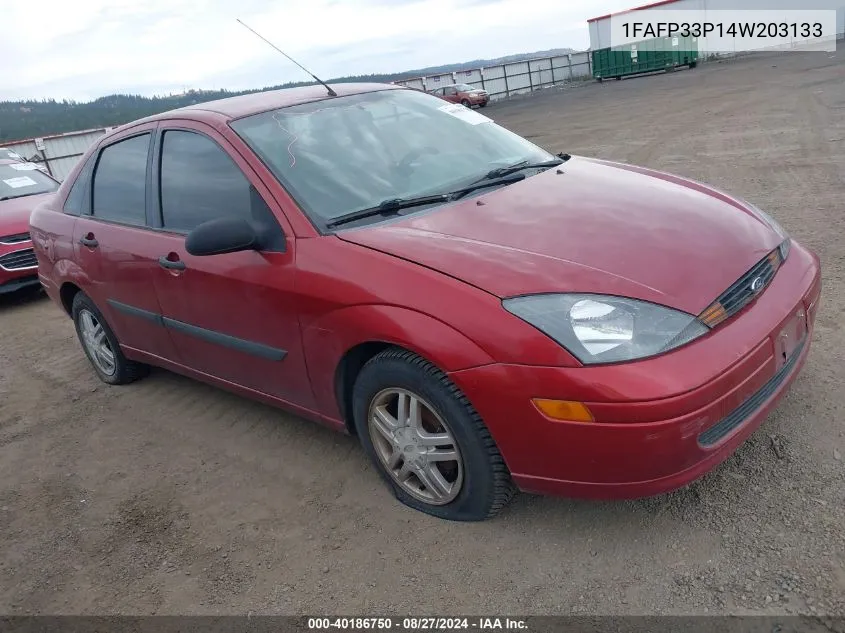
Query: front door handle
point(170, 264)
point(89, 241)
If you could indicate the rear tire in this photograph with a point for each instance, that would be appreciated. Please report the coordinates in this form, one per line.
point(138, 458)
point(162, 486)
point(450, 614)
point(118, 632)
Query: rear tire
point(474, 485)
point(101, 346)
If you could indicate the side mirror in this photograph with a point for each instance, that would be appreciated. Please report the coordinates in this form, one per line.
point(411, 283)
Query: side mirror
point(223, 235)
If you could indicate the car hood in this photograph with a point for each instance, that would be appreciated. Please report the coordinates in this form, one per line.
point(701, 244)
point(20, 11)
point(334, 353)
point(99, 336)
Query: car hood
point(588, 226)
point(14, 213)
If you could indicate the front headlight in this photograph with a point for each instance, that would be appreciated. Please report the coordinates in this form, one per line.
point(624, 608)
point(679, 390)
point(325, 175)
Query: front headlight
point(605, 329)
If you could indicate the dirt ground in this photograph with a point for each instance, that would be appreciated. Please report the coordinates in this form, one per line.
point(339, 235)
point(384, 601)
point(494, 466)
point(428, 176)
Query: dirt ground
point(172, 497)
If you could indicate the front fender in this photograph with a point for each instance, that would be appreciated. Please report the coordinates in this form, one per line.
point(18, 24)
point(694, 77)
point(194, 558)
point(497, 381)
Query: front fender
point(330, 337)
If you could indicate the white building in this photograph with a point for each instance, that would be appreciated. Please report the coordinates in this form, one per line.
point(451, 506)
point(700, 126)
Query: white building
point(600, 26)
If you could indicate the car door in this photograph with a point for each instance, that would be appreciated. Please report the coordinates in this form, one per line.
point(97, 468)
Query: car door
point(115, 247)
point(451, 94)
point(232, 316)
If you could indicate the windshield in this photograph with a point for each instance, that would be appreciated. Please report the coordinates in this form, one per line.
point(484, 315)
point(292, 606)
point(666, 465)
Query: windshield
point(23, 179)
point(350, 153)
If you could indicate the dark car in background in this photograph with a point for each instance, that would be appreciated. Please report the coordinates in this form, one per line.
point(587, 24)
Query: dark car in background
point(22, 187)
point(464, 94)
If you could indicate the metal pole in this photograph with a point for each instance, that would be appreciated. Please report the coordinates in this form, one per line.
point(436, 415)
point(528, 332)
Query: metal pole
point(46, 162)
point(505, 73)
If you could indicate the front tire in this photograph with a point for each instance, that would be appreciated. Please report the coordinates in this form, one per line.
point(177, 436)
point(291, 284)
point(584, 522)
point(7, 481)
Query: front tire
point(466, 103)
point(427, 441)
point(101, 346)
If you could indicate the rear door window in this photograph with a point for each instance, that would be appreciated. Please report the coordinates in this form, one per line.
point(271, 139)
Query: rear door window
point(120, 182)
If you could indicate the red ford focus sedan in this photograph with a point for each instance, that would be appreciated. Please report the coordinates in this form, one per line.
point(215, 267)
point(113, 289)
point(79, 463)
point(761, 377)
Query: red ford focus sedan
point(484, 315)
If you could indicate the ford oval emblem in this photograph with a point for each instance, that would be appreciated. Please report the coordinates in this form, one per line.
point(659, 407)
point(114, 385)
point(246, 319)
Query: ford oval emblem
point(757, 284)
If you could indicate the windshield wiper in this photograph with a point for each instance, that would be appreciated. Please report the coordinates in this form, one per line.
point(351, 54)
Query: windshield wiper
point(394, 205)
point(388, 207)
point(512, 169)
point(482, 184)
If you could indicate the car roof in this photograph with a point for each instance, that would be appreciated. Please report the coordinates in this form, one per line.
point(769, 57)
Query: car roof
point(245, 105)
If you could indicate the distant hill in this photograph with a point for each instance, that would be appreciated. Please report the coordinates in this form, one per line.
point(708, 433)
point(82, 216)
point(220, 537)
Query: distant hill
point(27, 119)
point(478, 63)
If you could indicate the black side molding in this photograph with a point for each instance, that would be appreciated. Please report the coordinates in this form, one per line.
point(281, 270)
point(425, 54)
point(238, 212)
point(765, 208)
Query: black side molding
point(239, 344)
point(211, 336)
point(136, 312)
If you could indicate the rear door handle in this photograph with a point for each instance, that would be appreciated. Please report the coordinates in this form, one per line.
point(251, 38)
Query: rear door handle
point(170, 264)
point(90, 242)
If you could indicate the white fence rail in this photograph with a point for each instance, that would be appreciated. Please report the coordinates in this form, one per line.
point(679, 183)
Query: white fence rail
point(58, 153)
point(515, 78)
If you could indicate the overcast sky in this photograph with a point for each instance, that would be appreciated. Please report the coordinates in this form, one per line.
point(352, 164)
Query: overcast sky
point(83, 49)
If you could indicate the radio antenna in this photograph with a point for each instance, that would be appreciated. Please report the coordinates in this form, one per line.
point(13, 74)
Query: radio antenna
point(331, 92)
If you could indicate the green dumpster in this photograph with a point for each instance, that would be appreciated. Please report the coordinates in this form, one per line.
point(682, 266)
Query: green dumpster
point(646, 56)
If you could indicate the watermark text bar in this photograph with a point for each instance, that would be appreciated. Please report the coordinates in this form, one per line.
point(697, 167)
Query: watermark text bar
point(726, 31)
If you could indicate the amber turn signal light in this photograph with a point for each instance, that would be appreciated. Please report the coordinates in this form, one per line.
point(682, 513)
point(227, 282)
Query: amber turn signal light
point(713, 315)
point(567, 410)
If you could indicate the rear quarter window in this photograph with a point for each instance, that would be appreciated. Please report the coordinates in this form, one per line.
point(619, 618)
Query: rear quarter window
point(75, 203)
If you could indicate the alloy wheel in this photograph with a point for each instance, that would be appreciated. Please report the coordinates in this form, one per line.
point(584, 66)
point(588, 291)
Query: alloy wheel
point(415, 446)
point(96, 342)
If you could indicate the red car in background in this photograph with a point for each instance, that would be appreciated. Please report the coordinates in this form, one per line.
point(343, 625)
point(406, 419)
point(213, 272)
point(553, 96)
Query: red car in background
point(483, 314)
point(464, 94)
point(22, 187)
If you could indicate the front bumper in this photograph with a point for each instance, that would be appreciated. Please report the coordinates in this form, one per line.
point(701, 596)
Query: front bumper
point(15, 277)
point(662, 422)
point(18, 283)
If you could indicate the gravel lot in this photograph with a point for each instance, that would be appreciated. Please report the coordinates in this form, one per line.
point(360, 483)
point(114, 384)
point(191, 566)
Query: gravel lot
point(172, 497)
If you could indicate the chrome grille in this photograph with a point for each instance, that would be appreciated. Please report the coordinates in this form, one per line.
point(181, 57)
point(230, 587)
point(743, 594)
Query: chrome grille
point(14, 239)
point(743, 291)
point(19, 259)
